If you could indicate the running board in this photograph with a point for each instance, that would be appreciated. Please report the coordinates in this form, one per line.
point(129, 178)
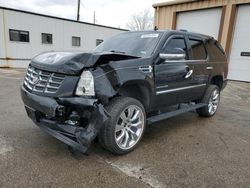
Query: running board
point(170, 114)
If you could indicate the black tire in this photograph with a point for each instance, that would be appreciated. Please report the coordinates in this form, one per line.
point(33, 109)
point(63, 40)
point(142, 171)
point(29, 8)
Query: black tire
point(106, 137)
point(207, 97)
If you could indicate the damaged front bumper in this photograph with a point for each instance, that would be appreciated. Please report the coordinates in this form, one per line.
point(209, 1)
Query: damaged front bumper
point(75, 121)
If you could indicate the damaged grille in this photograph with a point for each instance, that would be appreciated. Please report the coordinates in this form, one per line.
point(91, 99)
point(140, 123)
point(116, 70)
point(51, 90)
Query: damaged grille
point(42, 81)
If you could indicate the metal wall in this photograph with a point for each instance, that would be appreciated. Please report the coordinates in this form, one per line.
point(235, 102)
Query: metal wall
point(165, 15)
point(18, 54)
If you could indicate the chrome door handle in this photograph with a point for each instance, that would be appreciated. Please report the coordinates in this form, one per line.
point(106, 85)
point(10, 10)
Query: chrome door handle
point(189, 73)
point(210, 68)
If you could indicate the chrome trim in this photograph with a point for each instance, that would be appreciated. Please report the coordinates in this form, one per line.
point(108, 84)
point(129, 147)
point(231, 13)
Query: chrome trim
point(42, 81)
point(160, 87)
point(185, 60)
point(179, 89)
point(210, 68)
point(146, 68)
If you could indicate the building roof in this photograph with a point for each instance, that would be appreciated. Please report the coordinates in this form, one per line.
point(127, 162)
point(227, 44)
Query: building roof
point(65, 19)
point(173, 2)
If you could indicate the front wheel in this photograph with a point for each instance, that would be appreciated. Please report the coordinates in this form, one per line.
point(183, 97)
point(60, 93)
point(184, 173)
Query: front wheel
point(212, 99)
point(125, 128)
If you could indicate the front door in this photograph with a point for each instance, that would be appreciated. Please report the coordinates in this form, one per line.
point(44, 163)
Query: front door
point(173, 78)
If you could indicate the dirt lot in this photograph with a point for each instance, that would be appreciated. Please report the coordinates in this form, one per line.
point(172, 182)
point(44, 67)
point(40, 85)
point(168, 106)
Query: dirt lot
point(184, 151)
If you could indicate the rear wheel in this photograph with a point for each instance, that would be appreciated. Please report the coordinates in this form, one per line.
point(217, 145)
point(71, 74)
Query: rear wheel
point(125, 128)
point(212, 98)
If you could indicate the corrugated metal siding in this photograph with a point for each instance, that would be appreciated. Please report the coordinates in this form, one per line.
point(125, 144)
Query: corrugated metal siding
point(164, 14)
point(61, 30)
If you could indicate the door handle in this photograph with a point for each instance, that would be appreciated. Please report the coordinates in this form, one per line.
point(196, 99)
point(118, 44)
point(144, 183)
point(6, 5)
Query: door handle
point(189, 73)
point(210, 68)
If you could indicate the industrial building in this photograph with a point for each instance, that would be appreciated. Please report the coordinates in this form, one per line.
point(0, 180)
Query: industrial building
point(225, 20)
point(25, 34)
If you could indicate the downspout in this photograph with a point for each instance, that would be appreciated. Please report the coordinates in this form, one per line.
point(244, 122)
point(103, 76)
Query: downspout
point(5, 42)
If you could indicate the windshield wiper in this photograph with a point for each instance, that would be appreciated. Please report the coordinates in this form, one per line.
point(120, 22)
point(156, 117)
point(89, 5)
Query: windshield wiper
point(119, 52)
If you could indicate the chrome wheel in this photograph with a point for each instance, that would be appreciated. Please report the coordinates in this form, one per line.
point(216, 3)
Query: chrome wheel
point(214, 102)
point(129, 127)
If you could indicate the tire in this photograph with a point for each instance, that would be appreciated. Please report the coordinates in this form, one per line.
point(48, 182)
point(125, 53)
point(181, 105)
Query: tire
point(122, 124)
point(212, 101)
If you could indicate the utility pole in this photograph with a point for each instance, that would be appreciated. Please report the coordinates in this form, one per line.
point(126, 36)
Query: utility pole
point(94, 17)
point(78, 10)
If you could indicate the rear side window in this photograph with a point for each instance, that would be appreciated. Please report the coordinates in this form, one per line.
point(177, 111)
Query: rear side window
point(198, 49)
point(216, 52)
point(176, 43)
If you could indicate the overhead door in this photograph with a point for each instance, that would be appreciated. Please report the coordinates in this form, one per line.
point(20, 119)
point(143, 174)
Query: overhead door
point(205, 21)
point(239, 61)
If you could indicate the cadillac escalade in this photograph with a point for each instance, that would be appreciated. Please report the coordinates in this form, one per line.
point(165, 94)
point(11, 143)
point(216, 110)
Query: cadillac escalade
point(130, 80)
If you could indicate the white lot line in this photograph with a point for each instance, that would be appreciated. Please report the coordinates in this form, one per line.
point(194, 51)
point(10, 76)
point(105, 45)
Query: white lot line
point(135, 171)
point(4, 148)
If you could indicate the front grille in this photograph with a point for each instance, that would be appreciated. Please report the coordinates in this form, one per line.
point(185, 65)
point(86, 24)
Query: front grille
point(42, 81)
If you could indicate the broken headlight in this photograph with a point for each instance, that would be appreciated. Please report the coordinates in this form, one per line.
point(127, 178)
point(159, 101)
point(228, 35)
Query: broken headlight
point(85, 86)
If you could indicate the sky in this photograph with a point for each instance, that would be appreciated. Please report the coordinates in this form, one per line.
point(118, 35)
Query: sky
point(115, 13)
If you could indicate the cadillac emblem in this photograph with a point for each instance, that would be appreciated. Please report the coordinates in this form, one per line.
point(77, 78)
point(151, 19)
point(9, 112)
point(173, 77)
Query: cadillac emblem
point(35, 79)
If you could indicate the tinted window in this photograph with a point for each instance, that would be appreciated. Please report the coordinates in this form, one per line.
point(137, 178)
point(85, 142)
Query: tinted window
point(18, 35)
point(176, 43)
point(76, 41)
point(198, 49)
point(47, 38)
point(216, 52)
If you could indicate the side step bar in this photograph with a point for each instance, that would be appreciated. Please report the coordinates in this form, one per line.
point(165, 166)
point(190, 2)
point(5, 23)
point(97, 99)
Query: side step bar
point(170, 114)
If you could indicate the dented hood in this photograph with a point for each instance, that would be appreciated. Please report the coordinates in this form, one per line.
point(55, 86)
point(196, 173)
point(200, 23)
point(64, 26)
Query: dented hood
point(73, 62)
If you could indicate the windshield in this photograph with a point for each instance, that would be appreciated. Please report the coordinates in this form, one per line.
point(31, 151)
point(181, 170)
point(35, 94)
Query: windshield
point(139, 44)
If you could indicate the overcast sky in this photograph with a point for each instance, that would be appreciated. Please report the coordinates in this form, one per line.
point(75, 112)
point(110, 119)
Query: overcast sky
point(114, 13)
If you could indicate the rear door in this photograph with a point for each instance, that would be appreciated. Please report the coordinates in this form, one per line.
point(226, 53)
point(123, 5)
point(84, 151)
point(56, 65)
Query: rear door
point(202, 68)
point(173, 78)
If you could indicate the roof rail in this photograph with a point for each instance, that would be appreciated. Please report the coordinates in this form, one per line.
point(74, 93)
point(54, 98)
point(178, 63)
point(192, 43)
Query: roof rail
point(184, 30)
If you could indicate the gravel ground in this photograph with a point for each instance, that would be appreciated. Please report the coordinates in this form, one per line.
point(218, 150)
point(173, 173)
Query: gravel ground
point(184, 151)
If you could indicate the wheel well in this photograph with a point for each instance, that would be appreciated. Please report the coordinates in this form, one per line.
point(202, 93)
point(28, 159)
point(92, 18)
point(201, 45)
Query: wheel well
point(217, 80)
point(139, 92)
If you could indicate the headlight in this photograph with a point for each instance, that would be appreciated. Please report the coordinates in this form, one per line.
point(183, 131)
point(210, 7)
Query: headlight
point(85, 86)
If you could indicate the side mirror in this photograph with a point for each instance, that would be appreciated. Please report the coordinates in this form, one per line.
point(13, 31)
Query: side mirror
point(175, 54)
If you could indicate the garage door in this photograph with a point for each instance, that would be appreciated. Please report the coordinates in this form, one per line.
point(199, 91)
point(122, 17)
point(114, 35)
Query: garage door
point(239, 66)
point(202, 21)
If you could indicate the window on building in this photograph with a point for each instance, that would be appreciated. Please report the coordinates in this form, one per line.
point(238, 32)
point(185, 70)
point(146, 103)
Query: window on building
point(47, 38)
point(177, 42)
point(18, 35)
point(98, 41)
point(76, 41)
point(198, 49)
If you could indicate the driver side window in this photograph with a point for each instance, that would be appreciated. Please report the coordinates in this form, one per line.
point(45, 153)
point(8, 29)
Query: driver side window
point(176, 43)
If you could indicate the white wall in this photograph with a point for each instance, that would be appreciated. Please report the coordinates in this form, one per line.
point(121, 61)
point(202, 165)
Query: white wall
point(2, 42)
point(61, 30)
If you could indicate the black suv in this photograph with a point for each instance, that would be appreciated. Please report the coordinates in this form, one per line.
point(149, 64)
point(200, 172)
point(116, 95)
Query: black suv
point(128, 81)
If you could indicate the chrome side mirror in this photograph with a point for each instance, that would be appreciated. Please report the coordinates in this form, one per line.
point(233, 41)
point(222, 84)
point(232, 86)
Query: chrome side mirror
point(175, 54)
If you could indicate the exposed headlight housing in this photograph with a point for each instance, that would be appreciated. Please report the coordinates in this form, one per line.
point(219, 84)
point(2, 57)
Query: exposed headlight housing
point(85, 86)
